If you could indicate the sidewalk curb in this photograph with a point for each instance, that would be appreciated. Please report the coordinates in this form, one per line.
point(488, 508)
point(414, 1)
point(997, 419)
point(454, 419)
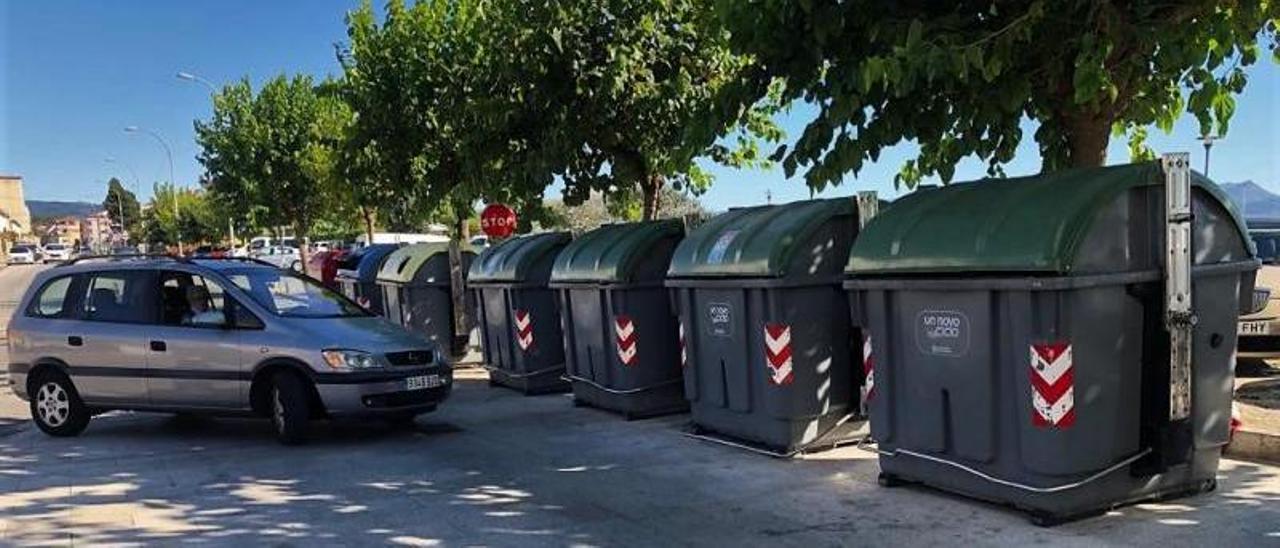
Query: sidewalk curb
point(1251, 445)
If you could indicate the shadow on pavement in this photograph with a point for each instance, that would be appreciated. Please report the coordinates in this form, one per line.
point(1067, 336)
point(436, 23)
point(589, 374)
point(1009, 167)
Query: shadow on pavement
point(496, 468)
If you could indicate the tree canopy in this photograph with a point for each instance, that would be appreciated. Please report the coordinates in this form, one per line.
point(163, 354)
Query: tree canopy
point(631, 88)
point(958, 78)
point(123, 208)
point(272, 154)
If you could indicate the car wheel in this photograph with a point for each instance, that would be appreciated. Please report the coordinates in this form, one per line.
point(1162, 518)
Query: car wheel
point(290, 408)
point(56, 407)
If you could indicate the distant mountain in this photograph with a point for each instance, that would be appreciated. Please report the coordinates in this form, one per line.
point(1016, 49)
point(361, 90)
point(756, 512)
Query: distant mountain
point(1253, 200)
point(41, 209)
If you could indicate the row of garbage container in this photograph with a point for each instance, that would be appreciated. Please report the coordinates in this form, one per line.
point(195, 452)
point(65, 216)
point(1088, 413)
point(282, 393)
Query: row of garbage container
point(1006, 338)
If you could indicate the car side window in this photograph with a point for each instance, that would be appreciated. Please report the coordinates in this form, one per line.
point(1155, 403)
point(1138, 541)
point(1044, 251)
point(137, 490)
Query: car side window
point(53, 301)
point(191, 300)
point(116, 297)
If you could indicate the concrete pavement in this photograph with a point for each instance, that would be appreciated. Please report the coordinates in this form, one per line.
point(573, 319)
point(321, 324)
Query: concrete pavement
point(496, 468)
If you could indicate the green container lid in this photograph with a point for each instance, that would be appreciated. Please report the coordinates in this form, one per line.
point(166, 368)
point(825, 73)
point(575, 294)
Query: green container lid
point(403, 264)
point(754, 241)
point(512, 260)
point(611, 253)
point(1027, 224)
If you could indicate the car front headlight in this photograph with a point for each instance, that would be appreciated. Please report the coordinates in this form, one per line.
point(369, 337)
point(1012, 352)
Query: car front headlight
point(350, 360)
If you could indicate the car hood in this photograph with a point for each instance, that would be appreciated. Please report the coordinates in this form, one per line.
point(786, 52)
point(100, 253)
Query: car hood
point(369, 334)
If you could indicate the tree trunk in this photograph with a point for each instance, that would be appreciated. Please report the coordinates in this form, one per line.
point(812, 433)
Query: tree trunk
point(1087, 137)
point(650, 185)
point(367, 214)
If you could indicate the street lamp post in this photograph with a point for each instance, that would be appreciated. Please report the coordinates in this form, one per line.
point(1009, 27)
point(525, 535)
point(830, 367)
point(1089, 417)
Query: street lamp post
point(168, 152)
point(1208, 141)
point(190, 77)
point(213, 90)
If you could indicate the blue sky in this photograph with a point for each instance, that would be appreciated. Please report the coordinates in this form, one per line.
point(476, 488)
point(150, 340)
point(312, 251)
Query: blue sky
point(74, 74)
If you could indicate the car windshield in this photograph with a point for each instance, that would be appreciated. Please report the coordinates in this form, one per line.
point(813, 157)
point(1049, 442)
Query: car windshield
point(288, 295)
point(18, 250)
point(1268, 243)
point(55, 247)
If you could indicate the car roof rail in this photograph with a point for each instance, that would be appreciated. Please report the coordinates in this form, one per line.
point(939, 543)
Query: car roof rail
point(241, 259)
point(124, 257)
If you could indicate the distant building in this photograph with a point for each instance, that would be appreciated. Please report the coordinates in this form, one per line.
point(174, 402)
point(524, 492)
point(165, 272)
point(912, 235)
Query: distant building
point(62, 231)
point(13, 204)
point(99, 232)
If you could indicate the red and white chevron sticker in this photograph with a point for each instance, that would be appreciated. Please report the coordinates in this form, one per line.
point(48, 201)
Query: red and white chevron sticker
point(777, 352)
point(1052, 385)
point(684, 352)
point(868, 368)
point(524, 329)
point(627, 339)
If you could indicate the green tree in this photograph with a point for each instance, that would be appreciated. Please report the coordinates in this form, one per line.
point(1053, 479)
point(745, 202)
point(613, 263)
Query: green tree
point(433, 130)
point(123, 208)
point(632, 88)
point(193, 215)
point(958, 78)
point(272, 153)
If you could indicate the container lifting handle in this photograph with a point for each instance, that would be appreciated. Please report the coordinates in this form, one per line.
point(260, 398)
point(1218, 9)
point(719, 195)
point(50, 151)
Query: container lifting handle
point(1179, 314)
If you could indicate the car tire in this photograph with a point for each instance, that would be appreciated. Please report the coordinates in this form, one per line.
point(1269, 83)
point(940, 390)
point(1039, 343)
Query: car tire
point(290, 408)
point(56, 407)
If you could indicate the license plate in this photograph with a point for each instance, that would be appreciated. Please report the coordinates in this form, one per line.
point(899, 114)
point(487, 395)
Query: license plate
point(422, 382)
point(1253, 328)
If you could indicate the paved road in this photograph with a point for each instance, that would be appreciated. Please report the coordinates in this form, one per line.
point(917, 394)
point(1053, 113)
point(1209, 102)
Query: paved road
point(13, 283)
point(496, 468)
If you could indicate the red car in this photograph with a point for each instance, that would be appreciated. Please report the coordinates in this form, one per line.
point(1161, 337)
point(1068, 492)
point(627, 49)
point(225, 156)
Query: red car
point(323, 266)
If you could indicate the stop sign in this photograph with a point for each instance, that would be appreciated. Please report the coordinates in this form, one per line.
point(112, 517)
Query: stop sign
point(498, 221)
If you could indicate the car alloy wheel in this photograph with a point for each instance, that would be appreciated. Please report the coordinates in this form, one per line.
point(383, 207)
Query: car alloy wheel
point(53, 406)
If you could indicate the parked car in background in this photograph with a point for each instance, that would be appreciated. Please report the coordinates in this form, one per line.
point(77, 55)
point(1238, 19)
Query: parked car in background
point(22, 254)
point(58, 252)
point(1259, 331)
point(211, 252)
point(282, 257)
point(211, 337)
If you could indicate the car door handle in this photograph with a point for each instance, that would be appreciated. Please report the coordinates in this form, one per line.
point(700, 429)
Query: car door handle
point(159, 346)
point(75, 341)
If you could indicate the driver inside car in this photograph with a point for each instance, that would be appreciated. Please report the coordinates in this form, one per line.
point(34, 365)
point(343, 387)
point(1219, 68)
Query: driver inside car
point(200, 314)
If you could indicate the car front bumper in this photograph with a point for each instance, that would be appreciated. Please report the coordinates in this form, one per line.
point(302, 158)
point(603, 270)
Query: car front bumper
point(382, 392)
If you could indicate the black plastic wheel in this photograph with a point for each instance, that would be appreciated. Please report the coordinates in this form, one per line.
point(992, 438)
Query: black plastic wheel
point(290, 408)
point(56, 407)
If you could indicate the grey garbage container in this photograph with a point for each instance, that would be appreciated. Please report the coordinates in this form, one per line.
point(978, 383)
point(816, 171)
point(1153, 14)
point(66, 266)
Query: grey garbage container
point(620, 340)
point(765, 324)
point(1016, 342)
point(358, 275)
point(518, 313)
point(416, 292)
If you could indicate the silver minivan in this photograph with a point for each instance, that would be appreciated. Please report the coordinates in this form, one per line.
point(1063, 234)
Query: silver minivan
point(233, 336)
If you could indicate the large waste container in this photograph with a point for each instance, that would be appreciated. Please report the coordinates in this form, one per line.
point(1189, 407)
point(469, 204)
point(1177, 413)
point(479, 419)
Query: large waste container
point(417, 292)
point(358, 275)
point(765, 324)
point(519, 317)
point(1015, 334)
point(622, 349)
